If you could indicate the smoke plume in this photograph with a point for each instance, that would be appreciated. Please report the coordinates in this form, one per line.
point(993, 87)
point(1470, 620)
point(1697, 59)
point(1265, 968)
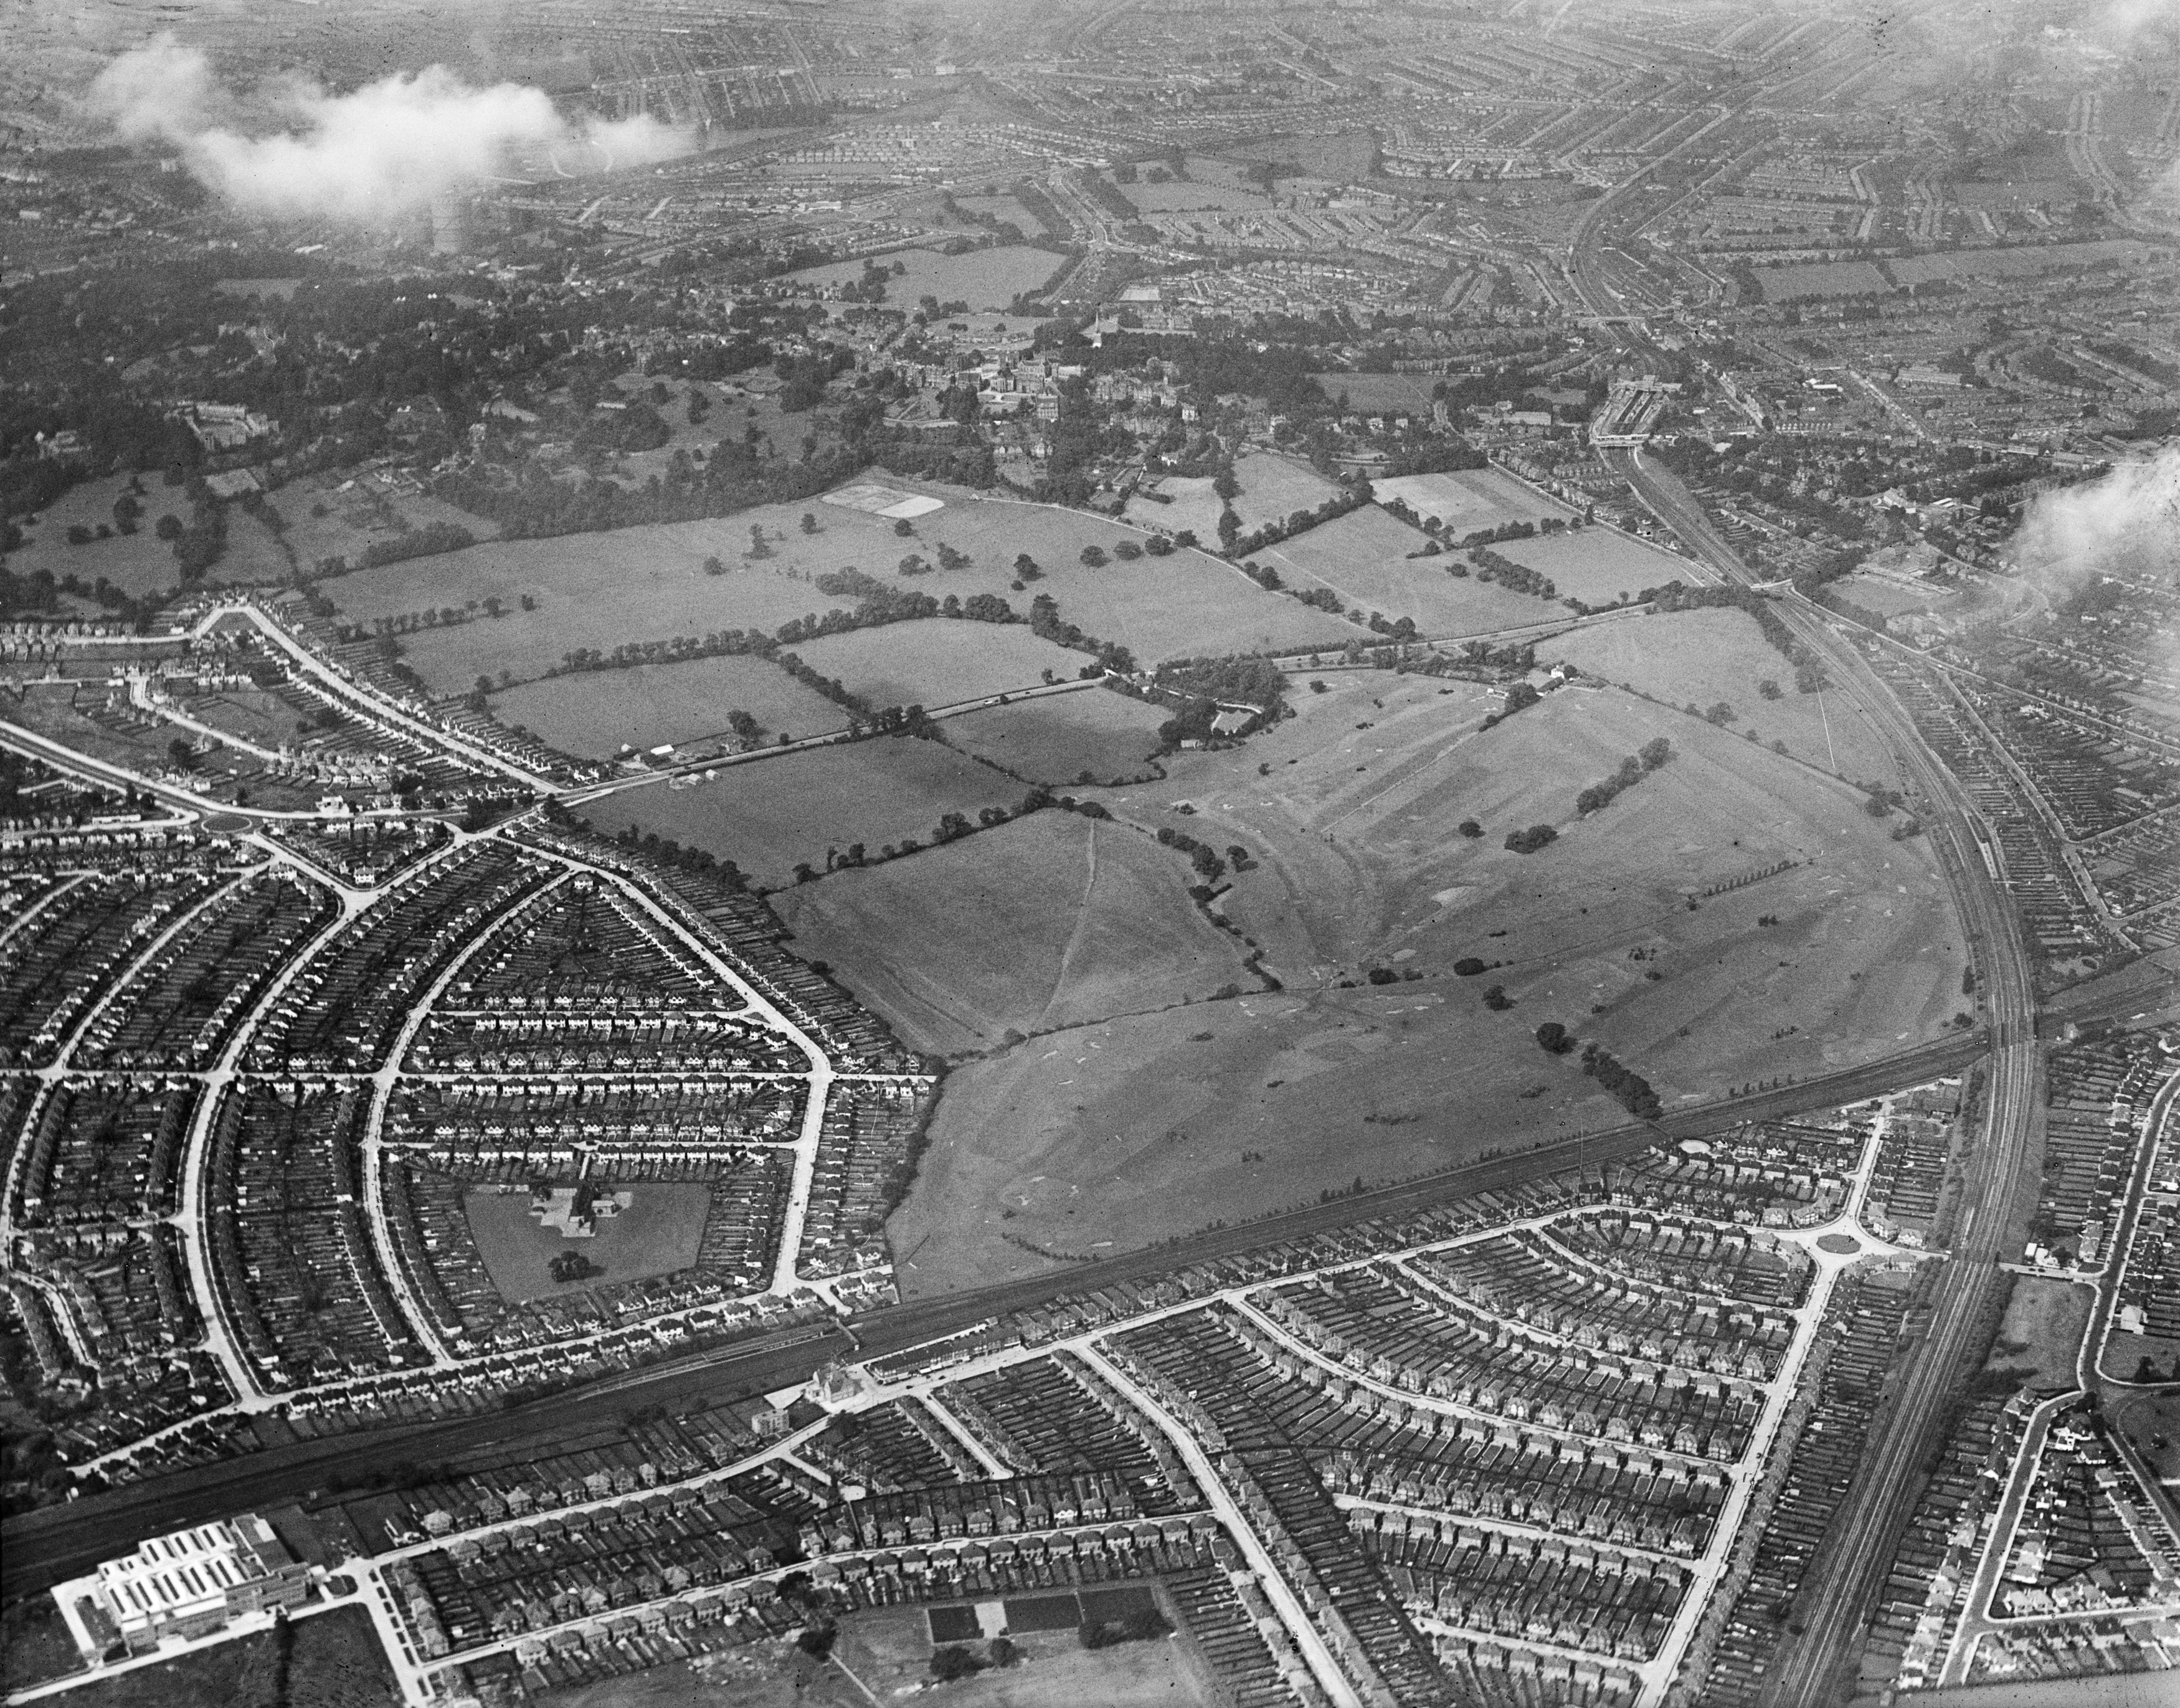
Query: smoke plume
point(375, 154)
point(2127, 521)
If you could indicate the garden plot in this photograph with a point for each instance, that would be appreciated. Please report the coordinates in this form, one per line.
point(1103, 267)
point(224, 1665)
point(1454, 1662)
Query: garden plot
point(597, 713)
point(1050, 921)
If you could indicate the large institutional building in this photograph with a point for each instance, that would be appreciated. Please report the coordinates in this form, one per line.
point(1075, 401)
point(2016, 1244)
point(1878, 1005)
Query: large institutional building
point(183, 1585)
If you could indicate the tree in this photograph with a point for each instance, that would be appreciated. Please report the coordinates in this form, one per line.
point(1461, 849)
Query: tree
point(1004, 1652)
point(181, 755)
point(1025, 567)
point(809, 522)
point(902, 527)
point(713, 566)
point(1555, 1039)
point(1092, 558)
point(758, 548)
point(1530, 840)
point(1722, 711)
point(169, 527)
point(1767, 688)
point(1469, 827)
point(1654, 752)
point(953, 1661)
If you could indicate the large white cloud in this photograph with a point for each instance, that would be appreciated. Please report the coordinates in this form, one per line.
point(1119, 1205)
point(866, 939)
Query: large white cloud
point(2127, 521)
point(376, 154)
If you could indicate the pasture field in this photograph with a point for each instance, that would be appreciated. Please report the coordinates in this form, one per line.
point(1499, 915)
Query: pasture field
point(2047, 1317)
point(648, 583)
point(595, 714)
point(138, 564)
point(1061, 739)
point(1363, 557)
point(1050, 921)
point(657, 1233)
point(1001, 204)
point(1599, 564)
point(1709, 656)
point(1893, 595)
point(1403, 394)
point(1179, 196)
point(941, 661)
point(1467, 500)
point(360, 510)
point(982, 279)
point(2152, 1423)
point(1852, 952)
point(1274, 488)
point(1192, 505)
point(769, 814)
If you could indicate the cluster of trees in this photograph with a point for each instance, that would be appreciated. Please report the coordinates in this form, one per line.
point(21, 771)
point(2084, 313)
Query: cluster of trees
point(426, 542)
point(1652, 756)
point(1209, 867)
point(1530, 840)
point(1494, 566)
point(1632, 1090)
point(1140, 1625)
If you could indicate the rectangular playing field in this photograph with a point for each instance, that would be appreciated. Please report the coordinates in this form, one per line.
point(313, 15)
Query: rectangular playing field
point(769, 814)
point(658, 1233)
point(597, 713)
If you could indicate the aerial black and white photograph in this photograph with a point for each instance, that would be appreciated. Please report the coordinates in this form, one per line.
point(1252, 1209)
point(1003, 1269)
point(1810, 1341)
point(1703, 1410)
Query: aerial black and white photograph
point(1090, 853)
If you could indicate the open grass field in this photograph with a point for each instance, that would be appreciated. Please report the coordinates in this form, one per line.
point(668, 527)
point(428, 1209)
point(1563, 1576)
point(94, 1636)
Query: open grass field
point(648, 583)
point(939, 662)
point(657, 1234)
point(1598, 565)
point(138, 564)
point(334, 1662)
point(1265, 1101)
point(1063, 738)
point(2151, 1422)
point(1274, 488)
point(1190, 506)
point(1050, 921)
point(595, 714)
point(1709, 656)
point(2047, 1319)
point(35, 1645)
point(1466, 499)
point(1194, 196)
point(768, 815)
point(1363, 557)
point(889, 1650)
point(982, 279)
point(1401, 394)
point(360, 511)
point(755, 1675)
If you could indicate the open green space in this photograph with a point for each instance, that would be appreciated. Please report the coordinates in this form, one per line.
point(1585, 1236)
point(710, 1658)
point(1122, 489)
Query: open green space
point(138, 564)
point(939, 662)
point(598, 591)
point(1049, 922)
point(1709, 656)
point(1118, 1134)
point(1599, 564)
point(657, 1233)
point(328, 1660)
point(770, 815)
point(1467, 500)
point(982, 277)
point(595, 714)
point(1092, 737)
point(2042, 1330)
point(1363, 558)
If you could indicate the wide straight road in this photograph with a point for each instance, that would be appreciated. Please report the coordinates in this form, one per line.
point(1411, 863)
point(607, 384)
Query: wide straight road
point(42, 1548)
point(1840, 1590)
